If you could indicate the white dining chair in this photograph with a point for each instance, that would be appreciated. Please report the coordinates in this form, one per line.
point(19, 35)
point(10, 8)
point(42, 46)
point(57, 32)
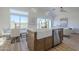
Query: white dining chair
point(67, 32)
point(1, 33)
point(2, 38)
point(15, 35)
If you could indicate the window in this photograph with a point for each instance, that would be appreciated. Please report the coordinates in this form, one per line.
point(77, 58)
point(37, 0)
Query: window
point(43, 23)
point(24, 22)
point(18, 19)
point(14, 21)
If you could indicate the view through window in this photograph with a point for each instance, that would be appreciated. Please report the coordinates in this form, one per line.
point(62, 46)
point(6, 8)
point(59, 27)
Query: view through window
point(18, 19)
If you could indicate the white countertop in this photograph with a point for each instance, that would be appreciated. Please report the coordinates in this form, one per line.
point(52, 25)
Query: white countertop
point(44, 29)
point(42, 33)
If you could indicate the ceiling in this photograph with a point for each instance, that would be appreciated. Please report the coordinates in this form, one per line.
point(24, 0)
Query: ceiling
point(44, 10)
point(34, 9)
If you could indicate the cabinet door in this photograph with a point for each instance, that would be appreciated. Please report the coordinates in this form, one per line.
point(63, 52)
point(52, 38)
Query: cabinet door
point(48, 43)
point(40, 45)
point(31, 40)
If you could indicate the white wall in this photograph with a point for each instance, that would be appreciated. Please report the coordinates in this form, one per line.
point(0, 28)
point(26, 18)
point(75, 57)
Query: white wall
point(72, 13)
point(33, 16)
point(73, 18)
point(4, 18)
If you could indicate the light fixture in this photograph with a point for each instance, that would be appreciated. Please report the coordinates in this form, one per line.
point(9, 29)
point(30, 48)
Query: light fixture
point(51, 13)
point(62, 9)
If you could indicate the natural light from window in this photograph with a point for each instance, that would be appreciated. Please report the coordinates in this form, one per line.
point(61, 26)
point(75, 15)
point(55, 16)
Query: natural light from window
point(18, 19)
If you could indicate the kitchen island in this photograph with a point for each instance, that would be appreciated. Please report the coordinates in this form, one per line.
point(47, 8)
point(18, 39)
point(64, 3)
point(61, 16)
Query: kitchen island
point(43, 39)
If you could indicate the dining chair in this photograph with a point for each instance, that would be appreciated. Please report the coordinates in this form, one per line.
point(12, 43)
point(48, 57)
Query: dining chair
point(1, 33)
point(15, 35)
point(67, 32)
point(2, 38)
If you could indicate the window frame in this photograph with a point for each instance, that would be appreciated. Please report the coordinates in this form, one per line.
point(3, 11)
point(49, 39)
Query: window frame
point(20, 16)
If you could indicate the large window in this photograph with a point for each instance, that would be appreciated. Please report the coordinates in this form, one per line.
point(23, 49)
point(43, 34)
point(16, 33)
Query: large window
point(43, 22)
point(18, 19)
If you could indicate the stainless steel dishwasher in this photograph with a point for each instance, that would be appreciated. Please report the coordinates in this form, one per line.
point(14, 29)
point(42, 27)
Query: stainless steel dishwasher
point(56, 37)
